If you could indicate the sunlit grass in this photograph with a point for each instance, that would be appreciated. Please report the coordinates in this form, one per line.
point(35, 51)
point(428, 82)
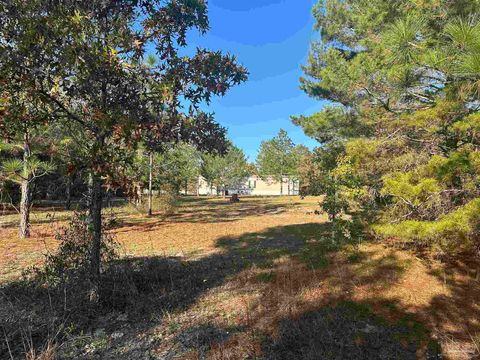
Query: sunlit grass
point(194, 227)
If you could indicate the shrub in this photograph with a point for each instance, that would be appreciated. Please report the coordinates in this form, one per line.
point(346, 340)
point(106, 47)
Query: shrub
point(72, 258)
point(168, 202)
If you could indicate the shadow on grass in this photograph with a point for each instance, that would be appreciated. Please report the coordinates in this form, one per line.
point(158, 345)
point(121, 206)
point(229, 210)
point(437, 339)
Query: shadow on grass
point(346, 330)
point(206, 212)
point(140, 295)
point(218, 212)
point(462, 304)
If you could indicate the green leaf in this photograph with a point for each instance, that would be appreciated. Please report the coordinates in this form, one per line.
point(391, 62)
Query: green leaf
point(404, 38)
point(8, 147)
point(464, 33)
point(12, 169)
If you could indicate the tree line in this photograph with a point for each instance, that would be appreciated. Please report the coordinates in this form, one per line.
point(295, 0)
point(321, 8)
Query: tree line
point(174, 169)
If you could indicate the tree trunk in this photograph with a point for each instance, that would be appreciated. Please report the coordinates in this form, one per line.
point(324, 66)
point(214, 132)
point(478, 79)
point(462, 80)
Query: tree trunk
point(281, 185)
point(95, 214)
point(139, 195)
point(150, 181)
point(186, 187)
point(68, 193)
point(25, 204)
point(25, 199)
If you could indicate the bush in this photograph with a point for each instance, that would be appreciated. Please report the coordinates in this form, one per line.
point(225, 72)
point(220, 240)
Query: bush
point(168, 202)
point(72, 258)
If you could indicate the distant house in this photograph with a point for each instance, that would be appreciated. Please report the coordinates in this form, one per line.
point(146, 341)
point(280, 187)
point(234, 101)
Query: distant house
point(253, 185)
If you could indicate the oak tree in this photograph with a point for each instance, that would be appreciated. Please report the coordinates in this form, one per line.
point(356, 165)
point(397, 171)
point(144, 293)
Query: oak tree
point(84, 60)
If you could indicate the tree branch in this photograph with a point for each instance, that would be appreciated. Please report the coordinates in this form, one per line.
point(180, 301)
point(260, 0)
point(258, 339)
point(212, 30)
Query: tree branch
point(68, 112)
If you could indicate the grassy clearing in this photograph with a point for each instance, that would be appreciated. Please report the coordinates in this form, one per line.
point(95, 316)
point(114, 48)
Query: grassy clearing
point(258, 279)
point(193, 228)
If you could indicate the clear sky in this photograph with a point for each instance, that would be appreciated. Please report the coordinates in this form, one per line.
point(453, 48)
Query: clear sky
point(271, 38)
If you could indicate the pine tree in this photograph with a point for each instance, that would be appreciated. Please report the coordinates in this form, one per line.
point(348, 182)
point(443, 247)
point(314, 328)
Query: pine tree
point(403, 79)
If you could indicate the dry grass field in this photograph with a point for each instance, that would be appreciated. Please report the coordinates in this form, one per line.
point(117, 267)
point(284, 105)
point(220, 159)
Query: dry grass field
point(259, 279)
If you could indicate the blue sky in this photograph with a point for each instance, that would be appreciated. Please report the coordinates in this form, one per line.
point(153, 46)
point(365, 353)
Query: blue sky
point(271, 38)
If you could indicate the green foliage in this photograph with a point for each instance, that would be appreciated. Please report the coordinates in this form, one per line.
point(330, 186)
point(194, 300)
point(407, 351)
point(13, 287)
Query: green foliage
point(400, 143)
point(468, 128)
point(227, 170)
point(17, 170)
point(177, 167)
point(404, 39)
point(310, 174)
point(404, 187)
point(333, 123)
point(454, 232)
point(464, 34)
point(279, 157)
point(13, 167)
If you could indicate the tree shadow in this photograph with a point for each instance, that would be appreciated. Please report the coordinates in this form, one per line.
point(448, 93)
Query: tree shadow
point(146, 288)
point(46, 219)
point(307, 302)
point(456, 314)
point(346, 330)
point(303, 285)
point(48, 212)
point(204, 212)
point(221, 211)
